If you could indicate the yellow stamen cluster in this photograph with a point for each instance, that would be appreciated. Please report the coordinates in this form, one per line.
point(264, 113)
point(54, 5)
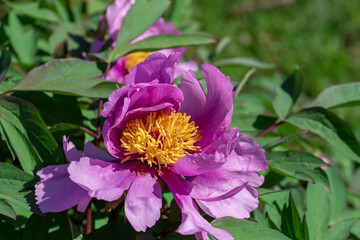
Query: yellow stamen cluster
point(134, 59)
point(160, 138)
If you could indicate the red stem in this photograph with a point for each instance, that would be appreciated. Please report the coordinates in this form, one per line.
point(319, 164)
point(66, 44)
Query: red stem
point(262, 133)
point(88, 219)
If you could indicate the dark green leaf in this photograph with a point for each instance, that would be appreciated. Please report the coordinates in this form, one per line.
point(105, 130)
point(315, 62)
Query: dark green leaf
point(331, 128)
point(27, 135)
point(291, 224)
point(251, 123)
point(243, 229)
point(33, 10)
point(133, 25)
point(281, 141)
point(68, 76)
point(8, 232)
point(36, 228)
point(300, 165)
point(6, 209)
point(318, 211)
point(243, 61)
point(338, 95)
point(5, 61)
point(287, 94)
point(113, 231)
point(16, 187)
point(19, 35)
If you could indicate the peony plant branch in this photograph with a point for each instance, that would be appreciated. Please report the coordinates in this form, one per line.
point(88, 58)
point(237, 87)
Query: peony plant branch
point(269, 129)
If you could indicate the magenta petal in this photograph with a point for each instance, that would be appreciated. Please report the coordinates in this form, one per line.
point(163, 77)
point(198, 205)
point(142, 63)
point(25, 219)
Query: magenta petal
point(91, 151)
point(192, 222)
point(104, 180)
point(71, 153)
point(238, 206)
point(184, 67)
point(56, 192)
point(155, 67)
point(115, 14)
point(118, 72)
point(143, 202)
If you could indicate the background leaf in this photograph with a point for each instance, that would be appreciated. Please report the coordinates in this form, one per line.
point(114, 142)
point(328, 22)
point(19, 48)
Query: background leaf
point(5, 60)
point(245, 62)
point(7, 210)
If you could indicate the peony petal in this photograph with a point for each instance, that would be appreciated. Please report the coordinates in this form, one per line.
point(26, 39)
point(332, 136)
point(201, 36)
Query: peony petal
point(192, 222)
point(118, 71)
point(56, 192)
point(71, 153)
point(115, 100)
point(104, 180)
point(91, 151)
point(115, 14)
point(155, 67)
point(143, 202)
point(184, 67)
point(238, 206)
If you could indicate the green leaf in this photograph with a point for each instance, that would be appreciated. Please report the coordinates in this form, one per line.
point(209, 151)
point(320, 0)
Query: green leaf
point(287, 95)
point(33, 10)
point(341, 230)
point(7, 210)
point(338, 95)
point(141, 16)
point(244, 61)
point(318, 211)
point(243, 229)
point(338, 196)
point(5, 61)
point(163, 41)
point(331, 128)
point(16, 187)
point(27, 135)
point(68, 76)
point(291, 224)
point(37, 227)
point(282, 140)
point(19, 35)
point(300, 165)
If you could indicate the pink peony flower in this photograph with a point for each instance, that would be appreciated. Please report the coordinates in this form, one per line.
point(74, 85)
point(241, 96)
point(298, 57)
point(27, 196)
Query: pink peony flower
point(156, 130)
point(115, 14)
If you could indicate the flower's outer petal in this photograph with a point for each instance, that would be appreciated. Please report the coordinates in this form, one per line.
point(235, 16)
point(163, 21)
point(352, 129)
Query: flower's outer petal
point(160, 27)
point(155, 67)
point(215, 117)
point(104, 180)
point(71, 153)
point(184, 67)
point(212, 157)
point(81, 207)
point(238, 206)
point(56, 192)
point(115, 14)
point(192, 222)
point(143, 202)
point(96, 45)
point(115, 100)
point(118, 71)
point(248, 156)
point(91, 151)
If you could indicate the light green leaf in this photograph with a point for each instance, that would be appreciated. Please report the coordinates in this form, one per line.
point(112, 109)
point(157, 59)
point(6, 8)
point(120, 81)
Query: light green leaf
point(338, 95)
point(341, 230)
point(141, 16)
point(287, 94)
point(164, 41)
point(33, 10)
point(300, 165)
point(68, 76)
point(338, 196)
point(244, 230)
point(331, 128)
point(19, 35)
point(318, 211)
point(6, 209)
point(16, 187)
point(26, 134)
point(244, 61)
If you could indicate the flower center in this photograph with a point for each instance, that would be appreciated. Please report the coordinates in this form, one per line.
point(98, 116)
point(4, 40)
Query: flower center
point(160, 138)
point(135, 58)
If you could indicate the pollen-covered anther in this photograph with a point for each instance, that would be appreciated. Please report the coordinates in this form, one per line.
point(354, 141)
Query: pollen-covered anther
point(160, 138)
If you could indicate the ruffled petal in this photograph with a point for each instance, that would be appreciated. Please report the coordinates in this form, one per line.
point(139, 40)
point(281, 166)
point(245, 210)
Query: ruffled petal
point(104, 180)
point(238, 206)
point(118, 71)
point(143, 202)
point(71, 153)
point(192, 222)
point(56, 192)
point(155, 67)
point(184, 67)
